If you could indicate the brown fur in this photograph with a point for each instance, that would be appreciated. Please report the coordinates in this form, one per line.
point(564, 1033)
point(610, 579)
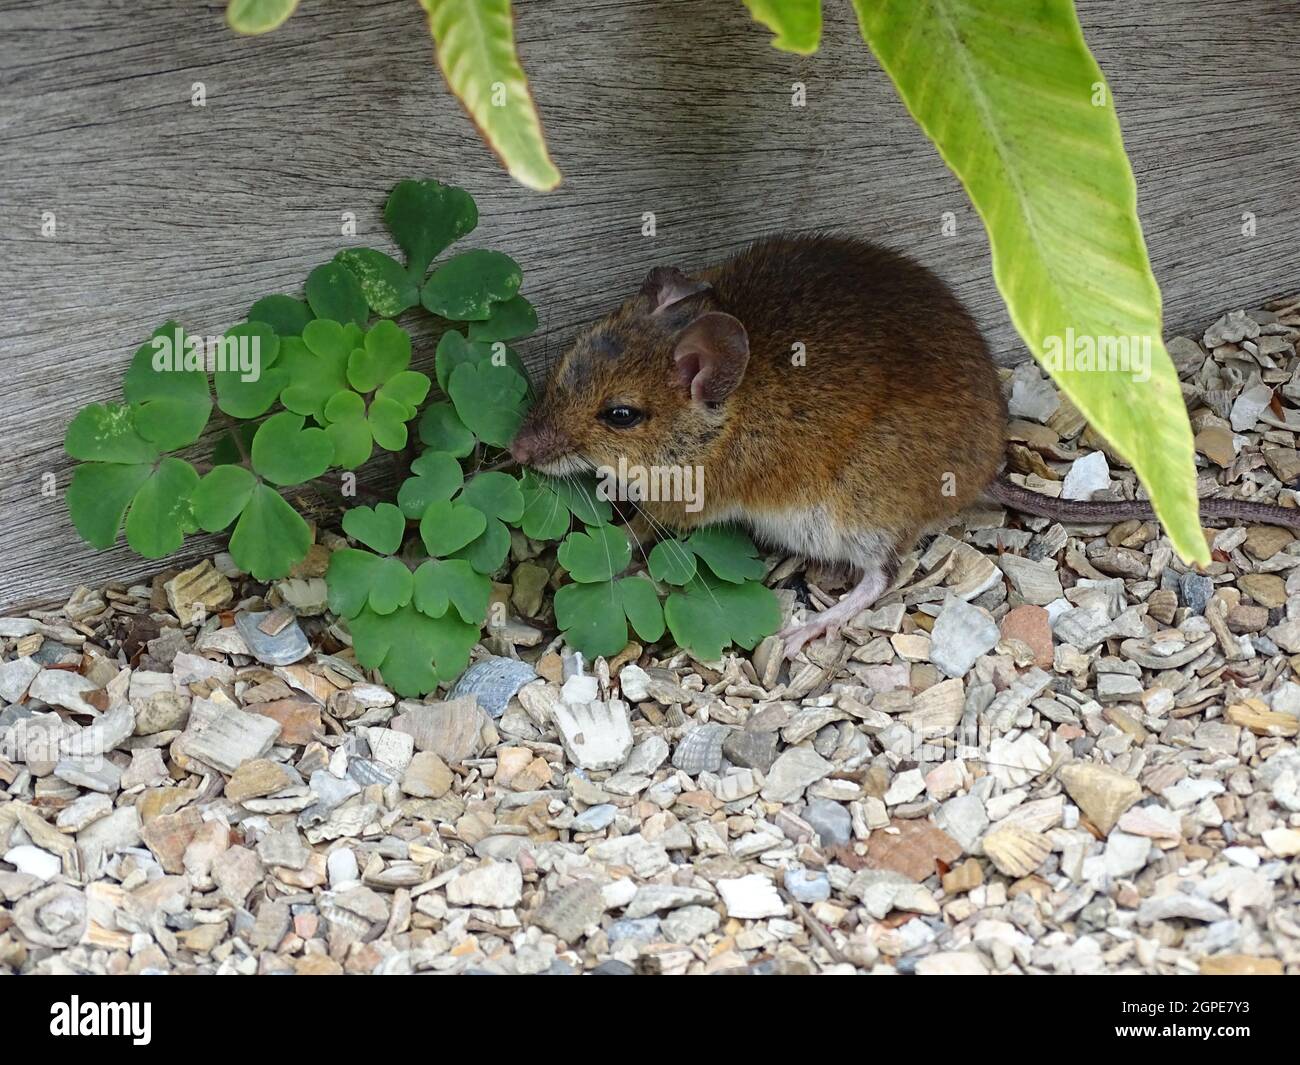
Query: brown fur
point(895, 422)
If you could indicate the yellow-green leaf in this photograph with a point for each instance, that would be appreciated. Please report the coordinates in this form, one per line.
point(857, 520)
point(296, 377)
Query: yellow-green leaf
point(475, 45)
point(258, 16)
point(796, 23)
point(1020, 111)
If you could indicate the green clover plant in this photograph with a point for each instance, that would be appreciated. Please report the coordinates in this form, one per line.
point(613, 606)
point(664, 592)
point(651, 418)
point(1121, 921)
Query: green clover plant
point(323, 382)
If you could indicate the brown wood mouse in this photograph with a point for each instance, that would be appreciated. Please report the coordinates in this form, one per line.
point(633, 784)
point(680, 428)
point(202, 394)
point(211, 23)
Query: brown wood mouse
point(837, 397)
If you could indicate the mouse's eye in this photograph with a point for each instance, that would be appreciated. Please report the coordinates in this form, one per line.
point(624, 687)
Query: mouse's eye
point(621, 417)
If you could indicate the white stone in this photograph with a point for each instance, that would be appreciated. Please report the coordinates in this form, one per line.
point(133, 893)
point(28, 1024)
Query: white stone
point(596, 735)
point(961, 634)
point(16, 677)
point(499, 885)
point(34, 862)
point(58, 687)
point(579, 689)
point(634, 683)
point(905, 787)
point(1087, 475)
point(751, 897)
point(1249, 406)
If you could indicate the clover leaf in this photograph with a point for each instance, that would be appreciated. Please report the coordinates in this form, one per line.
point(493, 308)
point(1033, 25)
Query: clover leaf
point(672, 562)
point(466, 286)
point(284, 314)
point(427, 217)
point(412, 651)
point(443, 583)
point(598, 554)
point(106, 432)
point(710, 613)
point(498, 498)
point(438, 476)
point(285, 453)
point(270, 537)
point(346, 425)
point(511, 319)
point(385, 351)
point(489, 399)
point(595, 617)
point(99, 495)
point(448, 527)
point(728, 551)
point(442, 430)
point(548, 502)
point(334, 292)
point(160, 513)
point(384, 281)
point(249, 382)
point(380, 527)
point(167, 388)
point(391, 586)
point(317, 365)
point(221, 496)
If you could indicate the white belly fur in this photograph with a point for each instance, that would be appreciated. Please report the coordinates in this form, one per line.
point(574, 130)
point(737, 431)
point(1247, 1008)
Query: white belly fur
point(811, 532)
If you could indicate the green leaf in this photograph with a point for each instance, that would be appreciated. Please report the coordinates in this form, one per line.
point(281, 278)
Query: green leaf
point(348, 580)
point(352, 439)
point(510, 319)
point(387, 420)
point(452, 582)
point(453, 350)
point(488, 552)
point(249, 393)
point(495, 494)
point(412, 650)
point(579, 494)
point(380, 527)
point(426, 218)
point(167, 387)
point(285, 453)
point(545, 517)
point(490, 400)
point(641, 605)
point(105, 432)
point(709, 613)
point(437, 477)
point(592, 618)
point(317, 374)
point(407, 387)
point(384, 281)
point(467, 285)
point(672, 562)
point(221, 497)
point(270, 537)
point(476, 50)
point(728, 552)
point(600, 553)
point(796, 23)
point(334, 292)
point(98, 497)
point(386, 351)
point(227, 450)
point(1040, 153)
point(258, 16)
point(284, 314)
point(391, 586)
point(160, 514)
point(447, 527)
point(442, 430)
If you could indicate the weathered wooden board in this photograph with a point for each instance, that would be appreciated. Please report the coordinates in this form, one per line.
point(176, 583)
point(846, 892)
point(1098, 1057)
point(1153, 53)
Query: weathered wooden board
point(674, 107)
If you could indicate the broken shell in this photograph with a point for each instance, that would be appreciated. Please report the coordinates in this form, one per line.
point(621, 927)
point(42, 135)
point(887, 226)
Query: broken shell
point(52, 917)
point(288, 644)
point(1017, 851)
point(494, 682)
point(700, 750)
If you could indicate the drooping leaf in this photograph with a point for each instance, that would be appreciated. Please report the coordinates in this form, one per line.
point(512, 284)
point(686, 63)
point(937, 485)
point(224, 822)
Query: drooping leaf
point(466, 286)
point(380, 527)
point(98, 497)
point(284, 314)
point(258, 16)
point(442, 430)
point(452, 582)
point(598, 554)
point(160, 514)
point(426, 218)
point(796, 23)
point(1037, 144)
point(476, 50)
point(105, 432)
point(384, 281)
point(270, 537)
point(221, 496)
point(167, 387)
point(490, 400)
point(285, 453)
point(334, 292)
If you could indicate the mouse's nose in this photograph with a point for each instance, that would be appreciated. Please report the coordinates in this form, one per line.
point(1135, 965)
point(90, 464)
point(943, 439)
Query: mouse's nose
point(520, 450)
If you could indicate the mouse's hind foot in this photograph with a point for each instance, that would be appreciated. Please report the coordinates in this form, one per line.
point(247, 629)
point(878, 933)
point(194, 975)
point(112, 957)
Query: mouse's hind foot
point(871, 587)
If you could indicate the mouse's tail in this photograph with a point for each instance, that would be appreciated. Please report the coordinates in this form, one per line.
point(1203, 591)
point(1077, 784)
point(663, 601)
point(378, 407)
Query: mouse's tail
point(1085, 512)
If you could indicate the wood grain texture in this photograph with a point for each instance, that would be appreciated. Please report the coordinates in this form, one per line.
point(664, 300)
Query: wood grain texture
point(671, 106)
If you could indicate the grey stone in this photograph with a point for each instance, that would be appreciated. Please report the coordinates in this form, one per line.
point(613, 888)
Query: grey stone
point(961, 634)
point(830, 820)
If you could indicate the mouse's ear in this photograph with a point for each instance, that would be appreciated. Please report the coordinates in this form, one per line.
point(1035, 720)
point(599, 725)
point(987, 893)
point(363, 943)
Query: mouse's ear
point(666, 285)
point(711, 356)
